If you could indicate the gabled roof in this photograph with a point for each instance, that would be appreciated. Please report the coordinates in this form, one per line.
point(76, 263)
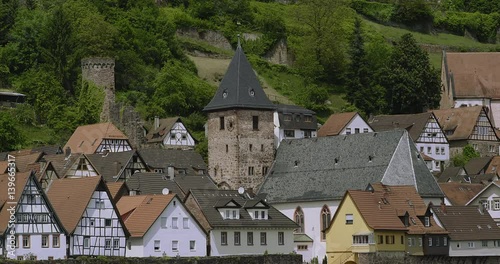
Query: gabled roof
point(491, 185)
point(297, 114)
point(153, 183)
point(239, 88)
point(494, 165)
point(460, 193)
point(61, 163)
point(70, 198)
point(86, 139)
point(474, 74)
point(336, 123)
point(162, 158)
point(48, 150)
point(467, 223)
point(323, 168)
point(453, 174)
point(5, 197)
point(23, 161)
point(481, 178)
point(413, 123)
point(115, 188)
point(207, 199)
point(460, 120)
point(158, 134)
point(112, 163)
point(476, 165)
point(145, 213)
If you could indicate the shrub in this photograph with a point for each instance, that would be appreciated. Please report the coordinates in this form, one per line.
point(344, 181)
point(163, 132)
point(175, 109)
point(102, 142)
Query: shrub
point(373, 10)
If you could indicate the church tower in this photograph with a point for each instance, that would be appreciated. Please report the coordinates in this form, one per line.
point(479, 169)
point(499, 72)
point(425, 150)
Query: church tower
point(240, 128)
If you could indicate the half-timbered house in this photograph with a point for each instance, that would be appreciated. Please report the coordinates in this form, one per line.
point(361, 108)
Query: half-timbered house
point(73, 165)
point(90, 217)
point(170, 133)
point(29, 227)
point(468, 125)
point(118, 166)
point(98, 138)
point(425, 132)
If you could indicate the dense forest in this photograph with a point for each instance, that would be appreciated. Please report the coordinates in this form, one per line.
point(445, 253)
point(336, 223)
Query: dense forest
point(336, 54)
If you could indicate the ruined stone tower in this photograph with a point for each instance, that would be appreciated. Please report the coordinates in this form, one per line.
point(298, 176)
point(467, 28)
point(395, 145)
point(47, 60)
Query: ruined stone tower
point(101, 72)
point(239, 128)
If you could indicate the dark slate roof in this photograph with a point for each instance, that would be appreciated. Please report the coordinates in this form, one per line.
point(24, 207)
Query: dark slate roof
point(452, 174)
point(239, 88)
point(305, 169)
point(48, 150)
point(108, 166)
point(467, 223)
point(62, 163)
point(161, 158)
point(413, 123)
point(297, 114)
point(301, 238)
point(476, 165)
point(153, 183)
point(481, 178)
point(207, 199)
point(200, 182)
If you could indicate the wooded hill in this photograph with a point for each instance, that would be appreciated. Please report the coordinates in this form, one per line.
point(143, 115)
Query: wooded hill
point(344, 55)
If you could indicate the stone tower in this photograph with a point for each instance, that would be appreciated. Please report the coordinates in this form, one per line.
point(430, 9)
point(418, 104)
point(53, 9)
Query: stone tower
point(240, 128)
point(101, 72)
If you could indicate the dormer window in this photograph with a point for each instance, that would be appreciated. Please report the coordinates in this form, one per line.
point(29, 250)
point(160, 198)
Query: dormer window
point(230, 214)
point(288, 117)
point(427, 221)
point(259, 214)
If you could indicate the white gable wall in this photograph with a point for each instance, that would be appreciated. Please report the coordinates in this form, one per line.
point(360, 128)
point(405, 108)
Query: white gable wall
point(166, 235)
point(491, 195)
point(312, 224)
point(356, 123)
point(473, 248)
point(179, 136)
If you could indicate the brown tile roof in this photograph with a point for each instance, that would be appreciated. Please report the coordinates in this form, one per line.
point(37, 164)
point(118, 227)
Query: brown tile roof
point(475, 74)
point(158, 134)
point(494, 165)
point(23, 161)
point(462, 120)
point(87, 138)
point(70, 198)
point(413, 123)
point(477, 165)
point(146, 209)
point(460, 193)
point(115, 187)
point(467, 223)
point(3, 166)
point(20, 181)
point(335, 123)
point(62, 164)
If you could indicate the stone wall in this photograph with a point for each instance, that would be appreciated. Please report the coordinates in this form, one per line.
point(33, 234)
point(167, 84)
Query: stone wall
point(279, 54)
point(101, 72)
point(247, 259)
point(213, 38)
point(386, 258)
point(129, 122)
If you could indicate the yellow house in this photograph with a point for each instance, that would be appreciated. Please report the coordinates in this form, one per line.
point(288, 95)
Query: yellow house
point(365, 222)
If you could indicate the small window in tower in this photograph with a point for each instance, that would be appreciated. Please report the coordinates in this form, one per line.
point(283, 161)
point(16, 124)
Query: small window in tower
point(255, 120)
point(221, 119)
point(250, 147)
point(227, 148)
point(261, 147)
point(251, 92)
point(224, 94)
point(250, 170)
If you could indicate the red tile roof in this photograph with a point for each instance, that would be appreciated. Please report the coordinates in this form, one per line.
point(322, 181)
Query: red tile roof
point(335, 123)
point(87, 138)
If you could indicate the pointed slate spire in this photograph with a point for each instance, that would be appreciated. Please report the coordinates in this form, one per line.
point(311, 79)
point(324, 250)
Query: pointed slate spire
point(240, 87)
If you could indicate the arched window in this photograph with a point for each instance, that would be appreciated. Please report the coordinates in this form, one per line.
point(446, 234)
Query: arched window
point(298, 216)
point(324, 221)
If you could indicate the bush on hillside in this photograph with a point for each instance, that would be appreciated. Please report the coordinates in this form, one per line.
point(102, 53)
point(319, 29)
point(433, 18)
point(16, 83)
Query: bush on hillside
point(374, 10)
point(483, 26)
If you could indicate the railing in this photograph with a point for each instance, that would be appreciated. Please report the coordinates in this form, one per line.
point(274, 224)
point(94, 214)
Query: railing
point(343, 257)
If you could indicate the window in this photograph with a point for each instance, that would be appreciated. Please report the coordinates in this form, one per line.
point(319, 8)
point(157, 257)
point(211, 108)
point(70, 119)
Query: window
point(389, 239)
point(496, 243)
point(92, 221)
point(289, 133)
point(221, 122)
point(250, 238)
point(255, 122)
point(107, 243)
point(288, 117)
point(261, 147)
point(380, 239)
point(263, 238)
point(437, 242)
point(365, 130)
point(223, 238)
point(256, 214)
point(485, 204)
point(325, 221)
point(107, 222)
point(307, 133)
point(363, 239)
point(491, 148)
point(442, 151)
point(410, 242)
point(250, 171)
point(26, 241)
point(422, 149)
point(482, 130)
point(420, 241)
point(484, 243)
point(496, 204)
point(163, 222)
point(262, 214)
point(356, 131)
point(45, 241)
point(20, 257)
point(116, 243)
point(474, 146)
point(471, 244)
point(437, 151)
point(281, 238)
point(55, 241)
point(429, 150)
point(308, 118)
point(32, 257)
point(403, 240)
point(129, 245)
point(302, 247)
point(348, 131)
point(192, 245)
point(250, 147)
point(185, 223)
point(430, 241)
point(157, 245)
point(99, 203)
point(174, 222)
point(445, 241)
point(298, 216)
point(175, 245)
point(86, 242)
point(264, 170)
point(427, 221)
point(237, 238)
point(227, 148)
point(349, 219)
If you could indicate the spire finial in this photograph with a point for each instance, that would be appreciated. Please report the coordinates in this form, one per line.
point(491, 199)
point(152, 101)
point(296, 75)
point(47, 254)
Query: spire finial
point(238, 26)
point(239, 43)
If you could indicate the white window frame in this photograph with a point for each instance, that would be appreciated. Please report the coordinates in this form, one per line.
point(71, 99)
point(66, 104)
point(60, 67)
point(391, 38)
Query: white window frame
point(349, 219)
point(174, 223)
point(157, 245)
point(175, 245)
point(185, 223)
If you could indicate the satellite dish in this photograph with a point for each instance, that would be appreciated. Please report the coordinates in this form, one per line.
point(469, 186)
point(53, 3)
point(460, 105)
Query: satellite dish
point(241, 190)
point(165, 191)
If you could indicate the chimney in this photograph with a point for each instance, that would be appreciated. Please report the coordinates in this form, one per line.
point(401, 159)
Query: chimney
point(157, 122)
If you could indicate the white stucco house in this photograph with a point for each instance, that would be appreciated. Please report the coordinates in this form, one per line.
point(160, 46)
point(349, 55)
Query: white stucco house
point(489, 199)
point(160, 225)
point(291, 121)
point(344, 124)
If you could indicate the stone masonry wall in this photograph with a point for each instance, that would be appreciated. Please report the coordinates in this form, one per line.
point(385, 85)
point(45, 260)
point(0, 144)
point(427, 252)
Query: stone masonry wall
point(101, 72)
point(214, 38)
point(382, 258)
point(129, 122)
point(229, 165)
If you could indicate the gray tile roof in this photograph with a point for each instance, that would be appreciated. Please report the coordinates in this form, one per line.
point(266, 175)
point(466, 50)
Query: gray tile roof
point(207, 199)
point(62, 163)
point(452, 174)
point(200, 182)
point(161, 158)
point(477, 165)
point(324, 168)
point(48, 150)
point(108, 166)
point(153, 183)
point(297, 117)
point(239, 88)
point(413, 123)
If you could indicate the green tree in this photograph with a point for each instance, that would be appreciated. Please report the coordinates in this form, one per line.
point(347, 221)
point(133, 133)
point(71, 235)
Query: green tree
point(467, 154)
point(412, 84)
point(10, 136)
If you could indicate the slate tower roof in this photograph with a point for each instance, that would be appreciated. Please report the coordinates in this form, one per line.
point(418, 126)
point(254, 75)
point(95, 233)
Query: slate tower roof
point(239, 88)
